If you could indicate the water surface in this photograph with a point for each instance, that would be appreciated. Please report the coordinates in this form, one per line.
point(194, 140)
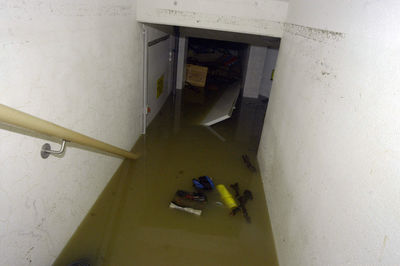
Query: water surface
point(131, 224)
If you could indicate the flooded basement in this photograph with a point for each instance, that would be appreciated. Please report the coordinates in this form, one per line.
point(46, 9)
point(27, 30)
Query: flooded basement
point(131, 223)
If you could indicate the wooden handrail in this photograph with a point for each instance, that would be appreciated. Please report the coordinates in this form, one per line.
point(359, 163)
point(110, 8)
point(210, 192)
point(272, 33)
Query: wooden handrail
point(17, 118)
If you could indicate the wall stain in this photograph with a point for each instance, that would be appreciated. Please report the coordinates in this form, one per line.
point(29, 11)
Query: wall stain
point(20, 9)
point(383, 247)
point(28, 256)
point(314, 34)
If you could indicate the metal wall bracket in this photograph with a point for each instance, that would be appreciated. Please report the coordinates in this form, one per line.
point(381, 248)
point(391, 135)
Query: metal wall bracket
point(46, 150)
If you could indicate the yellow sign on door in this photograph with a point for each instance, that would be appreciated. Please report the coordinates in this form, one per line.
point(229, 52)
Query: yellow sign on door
point(160, 85)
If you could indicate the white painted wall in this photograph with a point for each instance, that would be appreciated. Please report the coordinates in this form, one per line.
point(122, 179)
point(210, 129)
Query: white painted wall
point(158, 65)
point(262, 17)
point(269, 66)
point(330, 149)
point(254, 71)
point(77, 64)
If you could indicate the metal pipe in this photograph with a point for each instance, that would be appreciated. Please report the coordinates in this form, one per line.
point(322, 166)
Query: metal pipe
point(145, 50)
point(158, 40)
point(17, 118)
point(175, 63)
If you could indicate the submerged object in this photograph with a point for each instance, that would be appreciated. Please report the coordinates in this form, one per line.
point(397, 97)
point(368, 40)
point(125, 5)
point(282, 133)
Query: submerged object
point(191, 202)
point(247, 195)
point(249, 165)
point(173, 205)
point(82, 262)
point(193, 196)
point(227, 198)
point(203, 183)
point(235, 187)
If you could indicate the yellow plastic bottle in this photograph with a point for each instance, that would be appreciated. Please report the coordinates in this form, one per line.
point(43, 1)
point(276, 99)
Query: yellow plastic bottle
point(226, 197)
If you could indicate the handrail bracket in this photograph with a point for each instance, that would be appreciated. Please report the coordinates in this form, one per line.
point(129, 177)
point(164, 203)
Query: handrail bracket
point(46, 150)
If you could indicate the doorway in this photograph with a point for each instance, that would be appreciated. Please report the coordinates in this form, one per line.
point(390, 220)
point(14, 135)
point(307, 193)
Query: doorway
point(228, 76)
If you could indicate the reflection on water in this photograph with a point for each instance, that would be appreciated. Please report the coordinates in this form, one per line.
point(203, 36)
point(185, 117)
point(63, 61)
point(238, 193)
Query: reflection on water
point(131, 224)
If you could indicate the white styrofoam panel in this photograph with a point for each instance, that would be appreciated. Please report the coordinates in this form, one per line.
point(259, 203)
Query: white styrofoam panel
point(224, 106)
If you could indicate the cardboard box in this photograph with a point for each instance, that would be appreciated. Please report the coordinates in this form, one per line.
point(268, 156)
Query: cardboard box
point(196, 75)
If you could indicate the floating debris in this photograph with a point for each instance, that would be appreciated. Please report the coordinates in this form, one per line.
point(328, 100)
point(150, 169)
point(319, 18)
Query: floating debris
point(82, 262)
point(235, 187)
point(249, 165)
point(227, 198)
point(247, 195)
point(203, 183)
point(173, 205)
point(192, 202)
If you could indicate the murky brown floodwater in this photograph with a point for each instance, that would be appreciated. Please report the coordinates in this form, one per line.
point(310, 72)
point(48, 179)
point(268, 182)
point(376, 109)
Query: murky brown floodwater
point(131, 224)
